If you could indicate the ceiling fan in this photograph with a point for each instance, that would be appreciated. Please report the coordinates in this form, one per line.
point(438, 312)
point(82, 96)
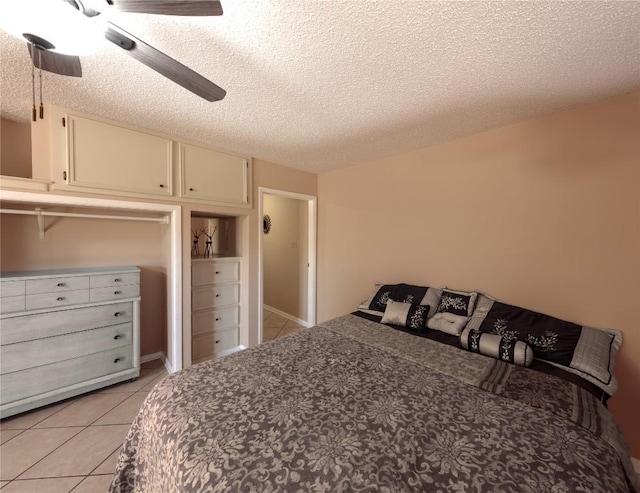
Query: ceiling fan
point(45, 57)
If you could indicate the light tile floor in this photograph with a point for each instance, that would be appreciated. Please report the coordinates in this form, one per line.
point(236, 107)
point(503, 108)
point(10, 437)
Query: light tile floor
point(275, 326)
point(72, 445)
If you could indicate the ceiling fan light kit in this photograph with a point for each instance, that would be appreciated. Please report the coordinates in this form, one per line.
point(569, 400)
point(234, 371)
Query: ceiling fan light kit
point(57, 31)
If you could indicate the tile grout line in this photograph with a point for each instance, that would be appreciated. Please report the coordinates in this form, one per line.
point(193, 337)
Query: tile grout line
point(43, 458)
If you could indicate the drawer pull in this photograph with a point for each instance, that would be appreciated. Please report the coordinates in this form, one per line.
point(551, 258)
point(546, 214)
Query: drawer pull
point(161, 186)
point(61, 298)
point(217, 272)
point(117, 292)
point(61, 284)
point(118, 314)
point(217, 319)
point(117, 336)
point(117, 280)
point(191, 190)
point(218, 295)
point(117, 360)
point(218, 341)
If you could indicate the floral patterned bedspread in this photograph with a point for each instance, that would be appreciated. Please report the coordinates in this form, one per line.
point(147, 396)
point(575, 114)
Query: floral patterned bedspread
point(353, 405)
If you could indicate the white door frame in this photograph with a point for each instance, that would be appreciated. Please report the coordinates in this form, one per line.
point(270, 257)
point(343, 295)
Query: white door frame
point(312, 202)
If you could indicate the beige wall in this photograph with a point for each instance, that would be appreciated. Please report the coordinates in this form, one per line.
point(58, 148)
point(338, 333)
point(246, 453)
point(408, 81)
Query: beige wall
point(15, 149)
point(544, 214)
point(285, 255)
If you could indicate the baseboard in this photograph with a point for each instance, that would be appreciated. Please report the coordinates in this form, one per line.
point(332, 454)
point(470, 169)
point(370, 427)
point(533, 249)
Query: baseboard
point(159, 355)
point(297, 320)
point(636, 465)
point(219, 355)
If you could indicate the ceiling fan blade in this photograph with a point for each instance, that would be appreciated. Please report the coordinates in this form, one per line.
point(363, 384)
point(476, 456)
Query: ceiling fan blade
point(169, 7)
point(164, 64)
point(55, 62)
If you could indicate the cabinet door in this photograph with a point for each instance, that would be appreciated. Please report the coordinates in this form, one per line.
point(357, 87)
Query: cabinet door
point(214, 176)
point(106, 156)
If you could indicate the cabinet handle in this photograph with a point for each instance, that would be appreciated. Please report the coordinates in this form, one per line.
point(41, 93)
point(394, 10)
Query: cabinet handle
point(118, 314)
point(218, 341)
point(61, 298)
point(191, 190)
point(117, 280)
point(117, 292)
point(161, 186)
point(218, 319)
point(117, 360)
point(117, 336)
point(217, 296)
point(217, 272)
point(61, 284)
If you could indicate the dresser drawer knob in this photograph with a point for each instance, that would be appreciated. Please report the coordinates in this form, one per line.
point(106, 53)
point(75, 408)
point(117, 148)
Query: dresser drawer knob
point(117, 336)
point(217, 319)
point(61, 298)
point(218, 341)
point(217, 272)
point(61, 284)
point(118, 314)
point(117, 292)
point(117, 360)
point(218, 295)
point(117, 280)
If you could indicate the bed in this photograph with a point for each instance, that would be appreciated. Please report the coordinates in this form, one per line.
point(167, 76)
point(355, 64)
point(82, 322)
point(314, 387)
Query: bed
point(356, 405)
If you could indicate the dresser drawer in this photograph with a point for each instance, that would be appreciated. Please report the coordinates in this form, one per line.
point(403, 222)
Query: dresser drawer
point(218, 318)
point(56, 284)
point(33, 381)
point(10, 304)
point(11, 288)
point(211, 297)
point(28, 327)
point(23, 355)
point(114, 293)
point(52, 300)
point(214, 342)
point(122, 279)
point(203, 273)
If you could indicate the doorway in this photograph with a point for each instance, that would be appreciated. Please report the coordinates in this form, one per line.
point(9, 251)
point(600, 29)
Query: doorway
point(287, 257)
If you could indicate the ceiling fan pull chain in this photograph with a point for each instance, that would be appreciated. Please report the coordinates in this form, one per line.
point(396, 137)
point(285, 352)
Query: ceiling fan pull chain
point(33, 87)
point(40, 73)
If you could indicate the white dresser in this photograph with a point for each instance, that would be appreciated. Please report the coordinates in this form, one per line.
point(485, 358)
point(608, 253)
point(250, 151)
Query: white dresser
point(66, 332)
point(215, 306)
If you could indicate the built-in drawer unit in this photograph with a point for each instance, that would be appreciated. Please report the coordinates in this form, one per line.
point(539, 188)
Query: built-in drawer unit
point(76, 331)
point(215, 306)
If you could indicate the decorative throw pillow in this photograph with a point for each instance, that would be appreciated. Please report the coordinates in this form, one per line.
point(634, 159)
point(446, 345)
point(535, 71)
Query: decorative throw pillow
point(376, 303)
point(453, 312)
point(584, 351)
point(406, 315)
point(502, 348)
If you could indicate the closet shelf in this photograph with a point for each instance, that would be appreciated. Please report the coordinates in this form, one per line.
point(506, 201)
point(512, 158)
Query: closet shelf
point(41, 213)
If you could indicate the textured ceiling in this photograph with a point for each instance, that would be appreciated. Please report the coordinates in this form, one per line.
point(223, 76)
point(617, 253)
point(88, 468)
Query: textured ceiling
point(319, 85)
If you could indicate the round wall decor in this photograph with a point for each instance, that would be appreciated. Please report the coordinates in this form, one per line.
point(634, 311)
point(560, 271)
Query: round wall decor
point(266, 224)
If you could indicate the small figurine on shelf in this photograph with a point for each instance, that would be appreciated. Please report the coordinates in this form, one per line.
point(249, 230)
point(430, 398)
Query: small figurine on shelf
point(208, 250)
point(195, 247)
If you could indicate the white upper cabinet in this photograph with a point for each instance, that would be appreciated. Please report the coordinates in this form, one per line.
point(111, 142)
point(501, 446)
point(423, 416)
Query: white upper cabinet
point(117, 158)
point(213, 176)
point(78, 152)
